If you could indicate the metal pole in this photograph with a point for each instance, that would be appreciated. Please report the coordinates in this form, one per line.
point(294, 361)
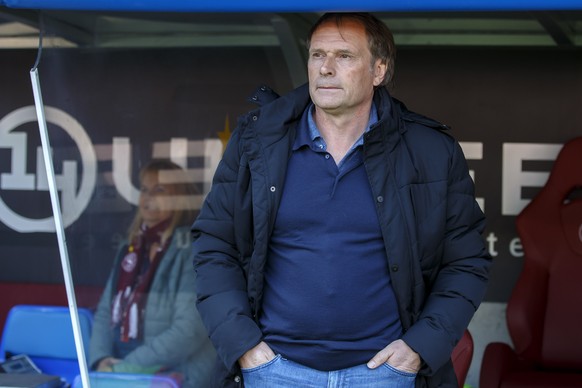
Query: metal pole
point(48, 162)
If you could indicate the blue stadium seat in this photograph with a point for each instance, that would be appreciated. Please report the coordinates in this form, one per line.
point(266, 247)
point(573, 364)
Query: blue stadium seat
point(45, 335)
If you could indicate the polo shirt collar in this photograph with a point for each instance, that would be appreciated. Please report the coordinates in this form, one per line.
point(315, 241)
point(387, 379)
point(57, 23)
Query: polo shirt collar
point(309, 135)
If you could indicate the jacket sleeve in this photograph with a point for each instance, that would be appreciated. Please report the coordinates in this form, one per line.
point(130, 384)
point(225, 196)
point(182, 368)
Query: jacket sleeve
point(221, 282)
point(461, 279)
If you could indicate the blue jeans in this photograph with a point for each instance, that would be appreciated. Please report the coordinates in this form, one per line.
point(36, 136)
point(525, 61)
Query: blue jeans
point(283, 373)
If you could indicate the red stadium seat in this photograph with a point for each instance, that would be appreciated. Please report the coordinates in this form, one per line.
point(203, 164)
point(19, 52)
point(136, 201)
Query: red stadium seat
point(544, 313)
point(462, 357)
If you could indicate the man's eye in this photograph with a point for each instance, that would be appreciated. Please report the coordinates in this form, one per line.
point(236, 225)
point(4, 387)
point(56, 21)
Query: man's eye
point(316, 55)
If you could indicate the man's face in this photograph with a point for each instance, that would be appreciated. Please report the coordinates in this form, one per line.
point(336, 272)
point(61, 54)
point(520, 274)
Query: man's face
point(341, 74)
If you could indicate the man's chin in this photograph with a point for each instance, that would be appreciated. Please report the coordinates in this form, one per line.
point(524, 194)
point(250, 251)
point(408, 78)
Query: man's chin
point(326, 102)
point(328, 106)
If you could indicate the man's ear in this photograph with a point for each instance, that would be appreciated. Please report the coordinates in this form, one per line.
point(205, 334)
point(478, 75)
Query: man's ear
point(380, 71)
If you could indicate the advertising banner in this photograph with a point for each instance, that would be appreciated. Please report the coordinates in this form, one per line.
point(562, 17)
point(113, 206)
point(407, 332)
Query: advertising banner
point(112, 111)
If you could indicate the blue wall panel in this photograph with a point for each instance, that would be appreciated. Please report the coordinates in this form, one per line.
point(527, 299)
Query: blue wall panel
point(296, 5)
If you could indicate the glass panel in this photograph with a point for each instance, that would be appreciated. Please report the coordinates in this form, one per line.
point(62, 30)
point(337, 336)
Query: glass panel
point(166, 107)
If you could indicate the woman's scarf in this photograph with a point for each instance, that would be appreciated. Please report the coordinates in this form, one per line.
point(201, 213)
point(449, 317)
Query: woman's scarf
point(135, 277)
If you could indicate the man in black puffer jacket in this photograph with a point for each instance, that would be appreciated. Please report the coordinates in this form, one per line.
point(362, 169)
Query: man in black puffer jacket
point(341, 243)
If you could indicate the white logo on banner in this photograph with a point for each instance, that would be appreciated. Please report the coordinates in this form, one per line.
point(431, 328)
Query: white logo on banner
point(514, 176)
point(73, 202)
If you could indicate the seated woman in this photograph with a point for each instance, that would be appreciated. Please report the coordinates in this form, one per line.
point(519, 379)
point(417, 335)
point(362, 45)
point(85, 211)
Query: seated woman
point(146, 320)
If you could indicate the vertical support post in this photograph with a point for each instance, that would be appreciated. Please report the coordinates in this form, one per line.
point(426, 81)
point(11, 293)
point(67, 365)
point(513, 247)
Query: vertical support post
point(65, 264)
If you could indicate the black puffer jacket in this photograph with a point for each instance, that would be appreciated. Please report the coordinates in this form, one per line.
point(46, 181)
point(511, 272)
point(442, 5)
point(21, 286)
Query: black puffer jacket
point(430, 222)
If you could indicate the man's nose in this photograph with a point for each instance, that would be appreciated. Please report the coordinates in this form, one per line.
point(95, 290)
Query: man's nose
point(327, 67)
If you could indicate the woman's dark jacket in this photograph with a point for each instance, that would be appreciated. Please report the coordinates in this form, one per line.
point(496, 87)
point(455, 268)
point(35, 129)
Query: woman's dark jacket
point(431, 225)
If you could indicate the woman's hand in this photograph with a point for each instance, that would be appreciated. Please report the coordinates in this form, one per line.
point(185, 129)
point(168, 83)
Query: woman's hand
point(106, 364)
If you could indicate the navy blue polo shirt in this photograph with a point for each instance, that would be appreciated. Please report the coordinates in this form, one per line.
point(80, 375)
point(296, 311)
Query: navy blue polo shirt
point(328, 301)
